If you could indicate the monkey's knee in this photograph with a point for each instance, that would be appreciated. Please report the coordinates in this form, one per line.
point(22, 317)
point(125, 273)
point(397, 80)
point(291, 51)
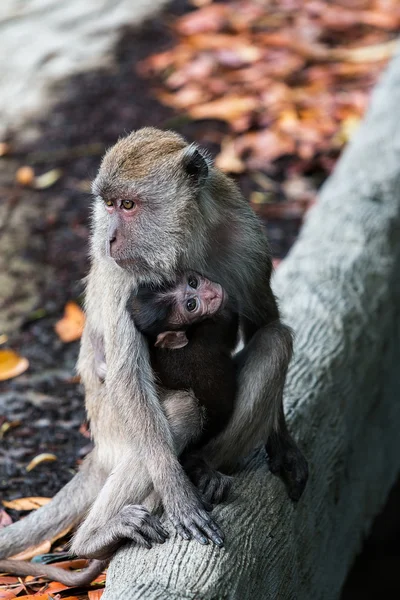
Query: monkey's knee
point(185, 416)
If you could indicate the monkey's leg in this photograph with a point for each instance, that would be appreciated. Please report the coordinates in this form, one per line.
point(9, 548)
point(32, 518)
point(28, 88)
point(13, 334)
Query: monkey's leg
point(113, 520)
point(259, 412)
point(66, 508)
point(286, 460)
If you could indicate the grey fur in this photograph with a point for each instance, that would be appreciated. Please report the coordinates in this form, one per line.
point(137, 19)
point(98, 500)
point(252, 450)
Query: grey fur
point(181, 224)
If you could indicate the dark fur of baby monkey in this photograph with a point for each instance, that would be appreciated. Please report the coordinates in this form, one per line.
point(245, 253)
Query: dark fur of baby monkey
point(192, 330)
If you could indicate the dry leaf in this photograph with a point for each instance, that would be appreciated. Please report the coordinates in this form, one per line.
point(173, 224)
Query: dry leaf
point(229, 108)
point(95, 594)
point(29, 503)
point(8, 580)
point(3, 338)
point(41, 458)
point(4, 148)
point(25, 176)
point(11, 364)
point(5, 519)
point(70, 327)
point(29, 553)
point(55, 587)
point(47, 179)
point(7, 594)
point(6, 426)
point(37, 597)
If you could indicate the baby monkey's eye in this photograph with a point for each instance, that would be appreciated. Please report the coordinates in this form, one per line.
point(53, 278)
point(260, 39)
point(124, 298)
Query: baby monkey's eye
point(128, 204)
point(108, 202)
point(192, 281)
point(191, 304)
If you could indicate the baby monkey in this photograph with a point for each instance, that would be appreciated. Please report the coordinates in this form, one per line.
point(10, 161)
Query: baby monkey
point(192, 330)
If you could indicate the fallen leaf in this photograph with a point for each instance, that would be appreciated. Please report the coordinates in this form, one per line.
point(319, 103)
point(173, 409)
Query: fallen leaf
point(3, 338)
point(39, 459)
point(7, 594)
point(25, 176)
point(5, 519)
point(6, 426)
point(48, 179)
point(37, 597)
point(7, 580)
point(70, 327)
point(29, 553)
point(55, 587)
point(95, 594)
point(28, 503)
point(11, 364)
point(4, 148)
point(229, 108)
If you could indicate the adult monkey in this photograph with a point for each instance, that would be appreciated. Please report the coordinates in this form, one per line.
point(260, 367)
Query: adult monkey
point(161, 207)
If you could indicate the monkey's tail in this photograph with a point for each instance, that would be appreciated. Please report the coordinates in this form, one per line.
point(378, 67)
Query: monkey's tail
point(70, 578)
point(66, 509)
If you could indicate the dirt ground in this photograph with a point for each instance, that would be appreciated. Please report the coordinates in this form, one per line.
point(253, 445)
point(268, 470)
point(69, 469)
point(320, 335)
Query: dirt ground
point(43, 246)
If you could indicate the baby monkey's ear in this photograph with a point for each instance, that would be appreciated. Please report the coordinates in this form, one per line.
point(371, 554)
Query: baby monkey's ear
point(171, 340)
point(196, 164)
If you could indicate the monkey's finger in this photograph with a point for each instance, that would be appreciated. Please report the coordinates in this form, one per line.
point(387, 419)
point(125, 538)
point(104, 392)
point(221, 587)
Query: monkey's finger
point(211, 530)
point(206, 503)
point(133, 534)
point(182, 531)
point(152, 534)
point(197, 534)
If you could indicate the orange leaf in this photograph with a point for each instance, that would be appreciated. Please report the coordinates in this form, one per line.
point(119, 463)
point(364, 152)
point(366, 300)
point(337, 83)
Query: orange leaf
point(29, 553)
point(36, 597)
point(41, 458)
point(25, 175)
point(55, 586)
point(29, 503)
point(70, 327)
point(227, 109)
point(11, 364)
point(6, 594)
point(95, 594)
point(8, 580)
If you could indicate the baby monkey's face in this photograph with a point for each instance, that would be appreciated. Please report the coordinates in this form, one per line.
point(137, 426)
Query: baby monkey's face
point(195, 298)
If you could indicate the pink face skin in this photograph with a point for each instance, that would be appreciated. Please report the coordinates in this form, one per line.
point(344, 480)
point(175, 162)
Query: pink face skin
point(196, 298)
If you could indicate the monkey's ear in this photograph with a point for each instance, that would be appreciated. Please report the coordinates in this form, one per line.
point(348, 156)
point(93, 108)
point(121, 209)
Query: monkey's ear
point(195, 164)
point(171, 340)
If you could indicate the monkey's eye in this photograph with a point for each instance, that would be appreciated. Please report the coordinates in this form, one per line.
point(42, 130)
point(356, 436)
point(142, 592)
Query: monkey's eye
point(191, 304)
point(108, 202)
point(128, 204)
point(192, 281)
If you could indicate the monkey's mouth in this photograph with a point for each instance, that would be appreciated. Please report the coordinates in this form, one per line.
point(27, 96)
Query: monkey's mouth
point(218, 301)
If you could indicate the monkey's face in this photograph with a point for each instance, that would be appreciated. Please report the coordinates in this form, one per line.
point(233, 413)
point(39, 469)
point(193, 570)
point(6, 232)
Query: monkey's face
point(147, 212)
point(193, 299)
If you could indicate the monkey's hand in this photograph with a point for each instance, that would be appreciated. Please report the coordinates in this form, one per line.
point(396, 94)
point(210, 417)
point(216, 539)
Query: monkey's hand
point(133, 522)
point(213, 485)
point(191, 520)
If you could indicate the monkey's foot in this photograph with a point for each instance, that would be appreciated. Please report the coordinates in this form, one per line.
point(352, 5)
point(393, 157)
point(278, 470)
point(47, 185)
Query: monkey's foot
point(212, 485)
point(191, 520)
point(287, 461)
point(133, 522)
